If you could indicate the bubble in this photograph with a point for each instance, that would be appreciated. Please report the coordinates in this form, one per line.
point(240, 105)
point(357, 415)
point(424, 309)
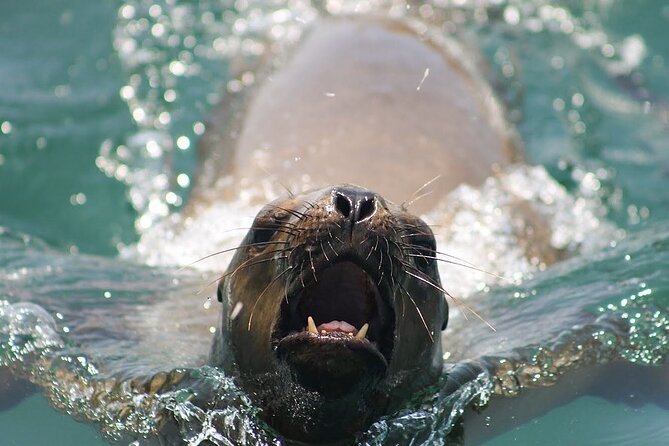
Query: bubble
point(164, 118)
point(41, 143)
point(153, 149)
point(170, 95)
point(577, 100)
point(139, 115)
point(177, 68)
point(78, 199)
point(158, 30)
point(62, 91)
point(183, 142)
point(198, 128)
point(511, 15)
point(608, 50)
point(155, 10)
point(127, 12)
point(183, 180)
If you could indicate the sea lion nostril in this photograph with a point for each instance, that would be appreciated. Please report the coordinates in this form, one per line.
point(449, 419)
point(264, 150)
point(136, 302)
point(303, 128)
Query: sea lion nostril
point(366, 207)
point(342, 205)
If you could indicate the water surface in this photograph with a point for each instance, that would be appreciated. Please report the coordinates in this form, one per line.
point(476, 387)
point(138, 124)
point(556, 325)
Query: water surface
point(101, 108)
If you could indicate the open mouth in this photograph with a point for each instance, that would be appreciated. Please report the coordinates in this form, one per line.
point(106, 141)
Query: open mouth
point(338, 326)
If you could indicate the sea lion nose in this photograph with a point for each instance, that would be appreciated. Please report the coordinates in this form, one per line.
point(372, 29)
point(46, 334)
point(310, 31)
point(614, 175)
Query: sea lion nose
point(355, 204)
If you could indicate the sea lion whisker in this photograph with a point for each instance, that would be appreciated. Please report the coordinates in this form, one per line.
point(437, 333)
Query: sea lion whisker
point(285, 288)
point(243, 265)
point(414, 246)
point(248, 228)
point(293, 212)
point(412, 234)
point(313, 268)
point(247, 245)
point(397, 285)
point(455, 257)
point(457, 301)
point(300, 275)
point(420, 313)
point(390, 261)
point(371, 250)
point(414, 197)
point(325, 254)
point(332, 248)
point(378, 282)
point(437, 287)
point(263, 292)
point(458, 264)
point(406, 226)
point(392, 227)
point(423, 195)
point(287, 189)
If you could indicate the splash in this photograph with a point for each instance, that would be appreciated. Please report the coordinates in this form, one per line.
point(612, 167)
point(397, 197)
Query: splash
point(175, 56)
point(513, 225)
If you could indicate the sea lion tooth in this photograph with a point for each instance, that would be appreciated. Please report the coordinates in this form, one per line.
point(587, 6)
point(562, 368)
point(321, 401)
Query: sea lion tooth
point(311, 325)
point(362, 333)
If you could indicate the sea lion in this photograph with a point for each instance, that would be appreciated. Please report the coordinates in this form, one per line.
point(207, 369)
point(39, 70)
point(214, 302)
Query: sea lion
point(363, 102)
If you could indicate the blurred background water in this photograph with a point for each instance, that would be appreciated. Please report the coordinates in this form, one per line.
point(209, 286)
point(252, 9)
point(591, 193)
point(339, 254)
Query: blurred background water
point(102, 106)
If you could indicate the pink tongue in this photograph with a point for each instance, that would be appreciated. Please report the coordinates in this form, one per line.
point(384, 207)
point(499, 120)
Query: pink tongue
point(340, 326)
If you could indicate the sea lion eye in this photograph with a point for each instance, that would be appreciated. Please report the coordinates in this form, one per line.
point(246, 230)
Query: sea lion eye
point(423, 250)
point(262, 233)
point(266, 225)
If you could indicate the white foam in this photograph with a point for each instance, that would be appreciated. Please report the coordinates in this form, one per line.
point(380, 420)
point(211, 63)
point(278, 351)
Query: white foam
point(498, 227)
point(513, 224)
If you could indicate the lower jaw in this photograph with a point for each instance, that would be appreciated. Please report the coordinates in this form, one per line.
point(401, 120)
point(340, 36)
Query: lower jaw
point(333, 367)
point(304, 415)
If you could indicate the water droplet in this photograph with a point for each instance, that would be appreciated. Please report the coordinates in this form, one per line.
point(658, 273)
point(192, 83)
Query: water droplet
point(170, 95)
point(6, 127)
point(183, 142)
point(183, 180)
point(198, 128)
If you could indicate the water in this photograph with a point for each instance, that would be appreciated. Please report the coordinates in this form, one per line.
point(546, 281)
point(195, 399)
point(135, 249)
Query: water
point(101, 108)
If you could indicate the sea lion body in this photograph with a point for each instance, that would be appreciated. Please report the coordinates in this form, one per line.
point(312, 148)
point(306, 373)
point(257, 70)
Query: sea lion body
point(367, 102)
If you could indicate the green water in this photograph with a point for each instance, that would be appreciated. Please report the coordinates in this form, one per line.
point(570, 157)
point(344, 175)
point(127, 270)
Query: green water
point(34, 422)
point(587, 110)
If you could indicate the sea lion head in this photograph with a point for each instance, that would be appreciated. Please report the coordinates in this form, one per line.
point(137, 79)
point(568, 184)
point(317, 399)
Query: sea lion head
point(332, 311)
